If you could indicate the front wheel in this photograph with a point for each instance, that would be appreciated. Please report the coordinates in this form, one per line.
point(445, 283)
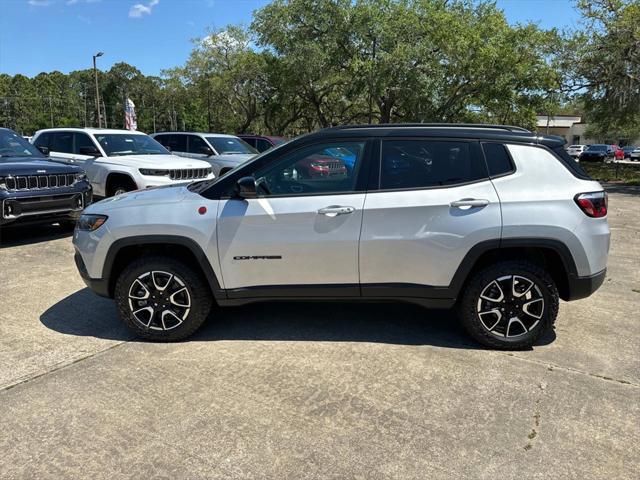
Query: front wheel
point(509, 305)
point(162, 299)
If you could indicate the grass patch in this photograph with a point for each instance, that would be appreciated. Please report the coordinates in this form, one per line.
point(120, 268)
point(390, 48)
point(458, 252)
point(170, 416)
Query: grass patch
point(628, 174)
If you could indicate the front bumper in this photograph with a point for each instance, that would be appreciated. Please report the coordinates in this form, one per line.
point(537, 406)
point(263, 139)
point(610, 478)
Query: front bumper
point(98, 285)
point(582, 287)
point(31, 208)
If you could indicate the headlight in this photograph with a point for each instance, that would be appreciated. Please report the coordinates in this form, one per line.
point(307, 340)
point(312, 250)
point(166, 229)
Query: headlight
point(79, 177)
point(90, 222)
point(3, 183)
point(154, 173)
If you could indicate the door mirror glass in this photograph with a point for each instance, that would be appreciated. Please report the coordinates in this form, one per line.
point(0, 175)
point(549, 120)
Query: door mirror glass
point(44, 150)
point(246, 187)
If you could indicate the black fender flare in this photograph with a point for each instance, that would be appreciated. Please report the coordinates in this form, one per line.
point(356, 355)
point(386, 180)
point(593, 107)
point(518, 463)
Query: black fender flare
point(160, 239)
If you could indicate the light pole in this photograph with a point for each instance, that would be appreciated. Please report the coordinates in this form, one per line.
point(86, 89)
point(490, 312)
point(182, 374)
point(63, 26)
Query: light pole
point(95, 73)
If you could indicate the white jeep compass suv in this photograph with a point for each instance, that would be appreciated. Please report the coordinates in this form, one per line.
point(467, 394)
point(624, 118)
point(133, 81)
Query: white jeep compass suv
point(495, 221)
point(118, 161)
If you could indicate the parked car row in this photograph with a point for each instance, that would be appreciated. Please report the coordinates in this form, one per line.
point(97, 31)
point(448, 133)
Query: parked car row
point(603, 152)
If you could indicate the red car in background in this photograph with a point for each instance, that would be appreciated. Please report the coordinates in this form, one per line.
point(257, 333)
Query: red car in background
point(617, 152)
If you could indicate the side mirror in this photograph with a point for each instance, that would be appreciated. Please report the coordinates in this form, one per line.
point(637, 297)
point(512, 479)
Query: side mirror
point(205, 151)
point(91, 151)
point(246, 187)
point(44, 150)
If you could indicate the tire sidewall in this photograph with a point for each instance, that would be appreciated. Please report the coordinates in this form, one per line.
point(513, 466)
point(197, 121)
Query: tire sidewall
point(471, 319)
point(196, 287)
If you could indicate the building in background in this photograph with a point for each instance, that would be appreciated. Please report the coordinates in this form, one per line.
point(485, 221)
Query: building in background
point(573, 129)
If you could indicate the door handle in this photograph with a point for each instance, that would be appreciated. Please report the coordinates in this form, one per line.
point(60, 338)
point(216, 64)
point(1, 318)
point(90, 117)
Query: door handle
point(470, 202)
point(335, 210)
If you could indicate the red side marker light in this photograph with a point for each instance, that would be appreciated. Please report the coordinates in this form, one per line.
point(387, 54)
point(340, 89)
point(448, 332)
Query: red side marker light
point(202, 210)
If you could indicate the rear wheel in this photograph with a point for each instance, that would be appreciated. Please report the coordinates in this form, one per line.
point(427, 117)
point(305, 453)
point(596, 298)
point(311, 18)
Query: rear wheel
point(162, 299)
point(509, 305)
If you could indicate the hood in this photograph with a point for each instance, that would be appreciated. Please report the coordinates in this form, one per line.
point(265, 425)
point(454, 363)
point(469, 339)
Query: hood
point(19, 166)
point(167, 162)
point(154, 196)
point(234, 157)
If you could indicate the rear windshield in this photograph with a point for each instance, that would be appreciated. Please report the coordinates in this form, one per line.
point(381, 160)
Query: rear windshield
point(573, 166)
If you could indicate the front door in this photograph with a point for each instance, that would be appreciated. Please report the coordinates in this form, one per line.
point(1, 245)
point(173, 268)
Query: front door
point(300, 236)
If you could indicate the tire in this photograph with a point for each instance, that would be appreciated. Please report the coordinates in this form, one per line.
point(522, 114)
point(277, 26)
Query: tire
point(520, 319)
point(186, 293)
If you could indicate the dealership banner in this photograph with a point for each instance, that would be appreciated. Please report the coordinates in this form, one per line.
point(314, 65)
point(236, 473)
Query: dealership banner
point(130, 122)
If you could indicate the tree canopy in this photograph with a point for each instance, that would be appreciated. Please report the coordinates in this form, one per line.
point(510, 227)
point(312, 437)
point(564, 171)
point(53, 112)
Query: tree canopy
point(307, 64)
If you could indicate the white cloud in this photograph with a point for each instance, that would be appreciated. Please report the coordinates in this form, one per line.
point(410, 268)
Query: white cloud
point(40, 3)
point(139, 9)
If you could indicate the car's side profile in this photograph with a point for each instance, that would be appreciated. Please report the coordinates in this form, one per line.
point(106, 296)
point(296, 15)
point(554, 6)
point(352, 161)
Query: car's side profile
point(223, 152)
point(119, 161)
point(495, 221)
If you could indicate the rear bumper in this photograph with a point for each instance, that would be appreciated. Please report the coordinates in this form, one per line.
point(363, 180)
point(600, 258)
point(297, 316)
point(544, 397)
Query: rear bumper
point(582, 287)
point(98, 285)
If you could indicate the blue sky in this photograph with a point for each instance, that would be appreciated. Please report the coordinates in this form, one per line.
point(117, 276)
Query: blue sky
point(47, 35)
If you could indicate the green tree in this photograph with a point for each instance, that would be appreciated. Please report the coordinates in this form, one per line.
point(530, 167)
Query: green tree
point(603, 67)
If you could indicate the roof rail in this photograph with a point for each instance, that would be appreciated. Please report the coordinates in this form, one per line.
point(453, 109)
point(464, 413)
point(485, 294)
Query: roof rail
point(509, 128)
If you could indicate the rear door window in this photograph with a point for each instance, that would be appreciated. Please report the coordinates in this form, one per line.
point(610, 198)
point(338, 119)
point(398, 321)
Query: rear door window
point(414, 164)
point(175, 143)
point(62, 142)
point(43, 140)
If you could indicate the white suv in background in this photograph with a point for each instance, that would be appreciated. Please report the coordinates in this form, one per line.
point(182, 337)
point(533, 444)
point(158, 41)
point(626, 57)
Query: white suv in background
point(223, 152)
point(575, 150)
point(118, 161)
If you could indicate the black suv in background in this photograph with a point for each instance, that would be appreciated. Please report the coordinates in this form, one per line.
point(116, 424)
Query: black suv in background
point(35, 189)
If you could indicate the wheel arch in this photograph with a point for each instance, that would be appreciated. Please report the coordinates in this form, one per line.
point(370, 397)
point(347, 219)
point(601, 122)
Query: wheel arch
point(182, 248)
point(550, 254)
point(113, 177)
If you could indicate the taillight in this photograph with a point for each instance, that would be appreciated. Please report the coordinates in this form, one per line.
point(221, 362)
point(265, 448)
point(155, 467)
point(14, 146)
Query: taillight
point(593, 204)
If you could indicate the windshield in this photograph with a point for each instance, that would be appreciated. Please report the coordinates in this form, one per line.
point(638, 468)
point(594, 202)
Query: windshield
point(115, 144)
point(597, 148)
point(228, 145)
point(13, 145)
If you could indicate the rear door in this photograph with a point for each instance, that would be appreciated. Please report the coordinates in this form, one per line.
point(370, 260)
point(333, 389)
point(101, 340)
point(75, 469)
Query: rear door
point(433, 203)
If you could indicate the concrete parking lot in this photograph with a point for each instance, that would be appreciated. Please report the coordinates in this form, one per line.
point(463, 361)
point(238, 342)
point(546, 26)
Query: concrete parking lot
point(313, 390)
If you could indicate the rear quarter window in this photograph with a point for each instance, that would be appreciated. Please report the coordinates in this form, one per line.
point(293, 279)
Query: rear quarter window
point(498, 159)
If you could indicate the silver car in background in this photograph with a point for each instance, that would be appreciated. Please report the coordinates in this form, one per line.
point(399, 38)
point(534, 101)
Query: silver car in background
point(223, 152)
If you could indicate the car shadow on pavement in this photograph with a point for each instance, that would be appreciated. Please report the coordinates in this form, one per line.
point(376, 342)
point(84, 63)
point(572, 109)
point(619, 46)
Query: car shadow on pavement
point(18, 235)
point(86, 314)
